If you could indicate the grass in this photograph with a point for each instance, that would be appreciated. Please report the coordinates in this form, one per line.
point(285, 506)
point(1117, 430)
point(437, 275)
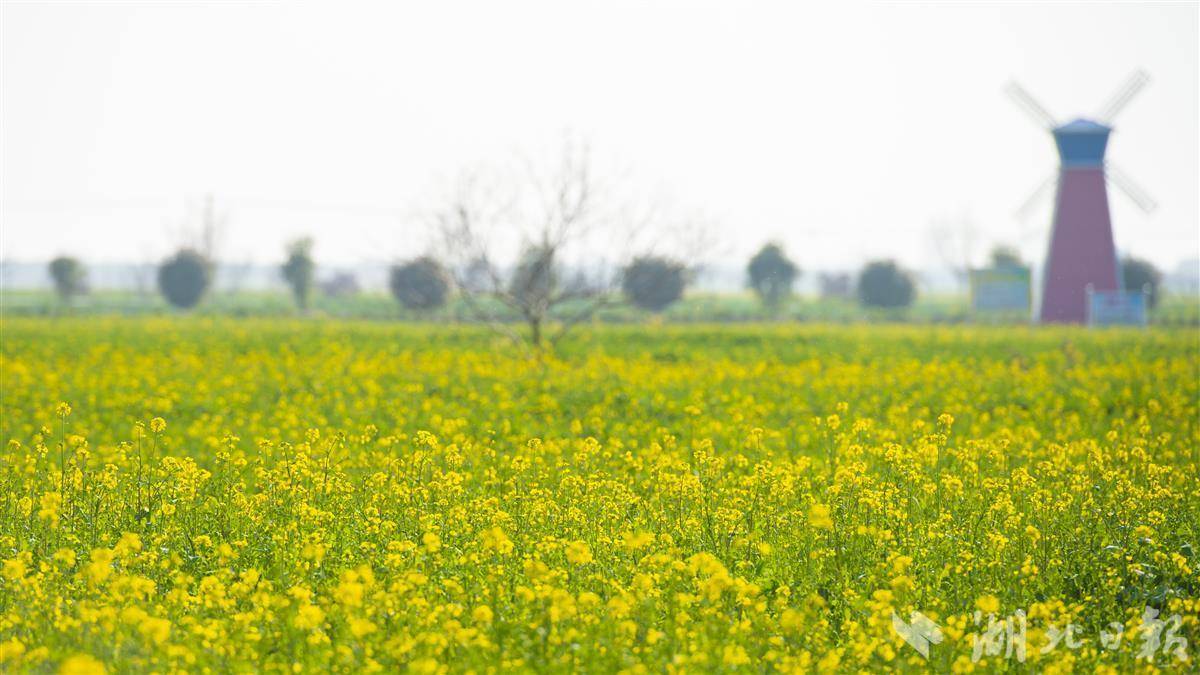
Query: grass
point(694, 308)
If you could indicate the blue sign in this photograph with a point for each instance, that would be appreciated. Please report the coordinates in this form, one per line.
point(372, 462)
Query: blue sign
point(1116, 308)
point(1000, 289)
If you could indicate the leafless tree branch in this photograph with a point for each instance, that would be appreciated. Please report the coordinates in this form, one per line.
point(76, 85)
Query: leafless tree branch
point(557, 216)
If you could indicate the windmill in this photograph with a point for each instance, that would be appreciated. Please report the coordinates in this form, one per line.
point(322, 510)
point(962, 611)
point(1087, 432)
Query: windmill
point(1082, 254)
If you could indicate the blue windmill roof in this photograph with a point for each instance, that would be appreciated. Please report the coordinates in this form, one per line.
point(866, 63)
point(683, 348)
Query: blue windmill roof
point(1082, 142)
point(1082, 126)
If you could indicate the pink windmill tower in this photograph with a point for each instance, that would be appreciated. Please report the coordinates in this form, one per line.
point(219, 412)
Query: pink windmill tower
point(1082, 258)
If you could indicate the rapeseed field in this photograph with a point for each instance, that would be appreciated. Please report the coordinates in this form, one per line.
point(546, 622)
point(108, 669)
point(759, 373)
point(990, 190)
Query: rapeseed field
point(191, 495)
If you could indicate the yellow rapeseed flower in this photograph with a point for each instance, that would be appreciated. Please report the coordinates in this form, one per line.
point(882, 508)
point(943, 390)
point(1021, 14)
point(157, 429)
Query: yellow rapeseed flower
point(11, 650)
point(579, 553)
point(360, 627)
point(308, 617)
point(82, 664)
point(422, 498)
point(819, 517)
point(988, 604)
point(431, 542)
point(482, 614)
point(495, 539)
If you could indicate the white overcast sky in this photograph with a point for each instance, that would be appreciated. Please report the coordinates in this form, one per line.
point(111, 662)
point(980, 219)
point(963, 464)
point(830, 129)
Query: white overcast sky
point(843, 130)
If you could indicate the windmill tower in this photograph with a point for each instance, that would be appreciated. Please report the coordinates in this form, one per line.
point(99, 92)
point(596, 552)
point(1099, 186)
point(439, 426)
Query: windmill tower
point(1082, 254)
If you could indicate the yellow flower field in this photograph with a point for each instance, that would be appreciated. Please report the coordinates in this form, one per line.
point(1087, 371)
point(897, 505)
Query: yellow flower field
point(182, 495)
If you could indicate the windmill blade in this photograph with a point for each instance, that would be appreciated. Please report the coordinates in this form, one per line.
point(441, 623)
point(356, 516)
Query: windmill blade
point(1136, 82)
point(1025, 101)
point(1135, 192)
point(1022, 213)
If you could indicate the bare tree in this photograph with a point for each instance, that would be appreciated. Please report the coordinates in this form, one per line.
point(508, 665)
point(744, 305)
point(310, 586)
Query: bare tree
point(236, 275)
point(212, 229)
point(143, 275)
point(956, 242)
point(205, 232)
point(566, 233)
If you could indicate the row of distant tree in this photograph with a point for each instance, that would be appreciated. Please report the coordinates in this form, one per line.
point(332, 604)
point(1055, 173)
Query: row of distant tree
point(651, 283)
point(585, 243)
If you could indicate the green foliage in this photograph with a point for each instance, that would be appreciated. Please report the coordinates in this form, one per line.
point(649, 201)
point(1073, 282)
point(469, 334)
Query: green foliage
point(184, 278)
point(883, 284)
point(1006, 256)
point(771, 275)
point(70, 277)
point(299, 271)
point(653, 283)
point(420, 284)
point(1173, 309)
point(1137, 274)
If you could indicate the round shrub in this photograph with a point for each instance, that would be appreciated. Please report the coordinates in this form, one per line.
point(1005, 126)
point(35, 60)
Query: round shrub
point(69, 276)
point(1137, 274)
point(184, 277)
point(419, 284)
point(884, 284)
point(772, 275)
point(653, 283)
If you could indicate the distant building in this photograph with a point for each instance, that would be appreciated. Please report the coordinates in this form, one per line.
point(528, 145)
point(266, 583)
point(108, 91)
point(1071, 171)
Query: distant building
point(1184, 279)
point(835, 285)
point(340, 285)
